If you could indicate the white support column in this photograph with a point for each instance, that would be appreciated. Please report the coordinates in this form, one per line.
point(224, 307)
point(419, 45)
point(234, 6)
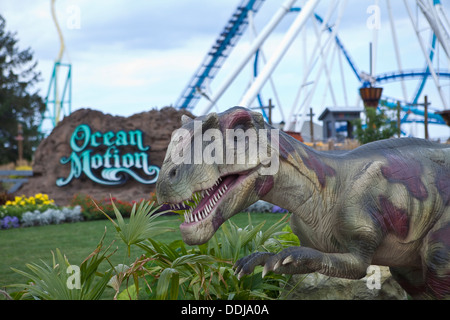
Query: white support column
point(396, 49)
point(435, 24)
point(299, 22)
point(264, 60)
point(330, 83)
point(427, 58)
point(281, 12)
point(443, 17)
point(310, 95)
point(344, 87)
point(325, 66)
point(309, 66)
point(374, 45)
point(327, 47)
point(312, 62)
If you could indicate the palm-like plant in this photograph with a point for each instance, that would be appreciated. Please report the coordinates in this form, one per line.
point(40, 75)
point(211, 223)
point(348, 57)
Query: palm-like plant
point(55, 282)
point(205, 272)
point(141, 225)
point(170, 271)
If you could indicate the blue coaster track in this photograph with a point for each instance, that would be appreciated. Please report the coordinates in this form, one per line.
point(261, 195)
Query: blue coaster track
point(236, 26)
point(217, 54)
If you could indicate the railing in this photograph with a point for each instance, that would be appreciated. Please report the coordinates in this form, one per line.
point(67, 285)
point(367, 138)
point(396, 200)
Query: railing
point(5, 176)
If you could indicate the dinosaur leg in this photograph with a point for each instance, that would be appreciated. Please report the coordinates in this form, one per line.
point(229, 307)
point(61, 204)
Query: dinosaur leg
point(300, 260)
point(361, 240)
point(411, 279)
point(436, 256)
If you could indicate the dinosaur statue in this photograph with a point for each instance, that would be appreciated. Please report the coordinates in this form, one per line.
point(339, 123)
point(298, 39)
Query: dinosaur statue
point(384, 203)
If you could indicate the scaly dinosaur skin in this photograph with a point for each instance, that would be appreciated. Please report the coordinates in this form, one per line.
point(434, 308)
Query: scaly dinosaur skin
point(384, 203)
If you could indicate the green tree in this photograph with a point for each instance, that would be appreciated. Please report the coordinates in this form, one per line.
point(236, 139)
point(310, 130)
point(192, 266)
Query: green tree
point(20, 102)
point(377, 127)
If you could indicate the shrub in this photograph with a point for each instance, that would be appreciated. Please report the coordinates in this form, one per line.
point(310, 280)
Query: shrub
point(152, 197)
point(170, 271)
point(289, 236)
point(51, 282)
point(260, 206)
point(51, 216)
point(378, 126)
point(4, 197)
point(9, 222)
point(92, 208)
point(22, 204)
point(277, 209)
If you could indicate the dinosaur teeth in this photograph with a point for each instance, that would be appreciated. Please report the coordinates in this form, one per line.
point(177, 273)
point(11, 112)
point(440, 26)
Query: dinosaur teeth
point(213, 194)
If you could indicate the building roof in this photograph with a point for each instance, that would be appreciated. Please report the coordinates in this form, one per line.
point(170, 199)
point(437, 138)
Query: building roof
point(328, 110)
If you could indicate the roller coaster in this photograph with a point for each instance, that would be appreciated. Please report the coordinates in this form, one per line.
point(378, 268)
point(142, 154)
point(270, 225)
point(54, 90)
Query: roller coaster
point(58, 103)
point(432, 19)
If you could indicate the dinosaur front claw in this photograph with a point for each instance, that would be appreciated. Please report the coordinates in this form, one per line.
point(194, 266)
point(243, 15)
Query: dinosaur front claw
point(276, 264)
point(265, 271)
point(291, 260)
point(288, 260)
point(247, 264)
point(270, 261)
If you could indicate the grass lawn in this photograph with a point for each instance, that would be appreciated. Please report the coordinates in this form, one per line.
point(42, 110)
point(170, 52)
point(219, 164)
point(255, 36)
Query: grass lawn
point(77, 240)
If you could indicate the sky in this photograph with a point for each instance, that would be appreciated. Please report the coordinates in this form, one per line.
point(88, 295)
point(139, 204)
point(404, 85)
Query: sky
point(132, 56)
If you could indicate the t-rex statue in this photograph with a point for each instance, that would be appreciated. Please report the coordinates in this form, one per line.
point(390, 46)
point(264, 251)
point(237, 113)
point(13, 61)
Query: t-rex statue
point(384, 203)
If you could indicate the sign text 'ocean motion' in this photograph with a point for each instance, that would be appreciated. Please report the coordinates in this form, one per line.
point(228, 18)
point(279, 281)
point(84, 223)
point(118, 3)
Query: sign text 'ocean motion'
point(101, 157)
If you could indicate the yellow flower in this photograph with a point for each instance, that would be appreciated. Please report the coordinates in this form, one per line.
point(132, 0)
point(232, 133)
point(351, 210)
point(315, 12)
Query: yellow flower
point(8, 203)
point(22, 203)
point(17, 199)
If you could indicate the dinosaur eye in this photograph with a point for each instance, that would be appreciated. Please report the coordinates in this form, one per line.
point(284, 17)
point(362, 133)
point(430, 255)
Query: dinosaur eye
point(173, 173)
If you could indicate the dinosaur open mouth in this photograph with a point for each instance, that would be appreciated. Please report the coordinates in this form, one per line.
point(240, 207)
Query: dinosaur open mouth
point(204, 202)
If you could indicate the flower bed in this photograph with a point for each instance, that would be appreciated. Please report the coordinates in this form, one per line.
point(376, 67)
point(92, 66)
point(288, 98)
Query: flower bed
point(9, 222)
point(90, 206)
point(35, 211)
point(22, 211)
point(41, 210)
point(22, 204)
point(51, 216)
